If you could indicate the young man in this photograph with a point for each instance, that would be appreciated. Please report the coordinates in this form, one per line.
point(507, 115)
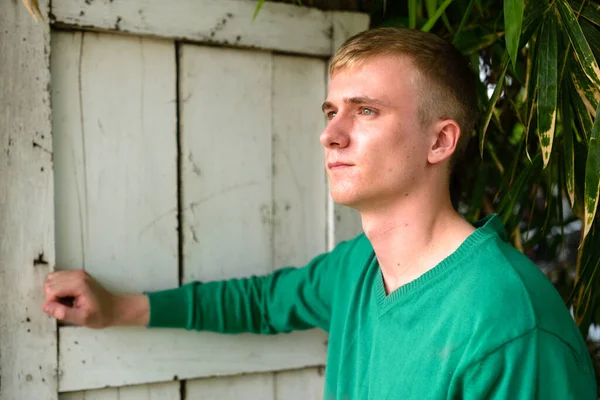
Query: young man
point(423, 305)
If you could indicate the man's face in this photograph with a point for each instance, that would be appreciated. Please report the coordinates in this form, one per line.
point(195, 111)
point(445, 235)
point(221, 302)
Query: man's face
point(375, 147)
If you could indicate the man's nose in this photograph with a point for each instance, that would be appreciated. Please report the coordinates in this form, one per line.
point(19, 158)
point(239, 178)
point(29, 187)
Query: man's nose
point(336, 133)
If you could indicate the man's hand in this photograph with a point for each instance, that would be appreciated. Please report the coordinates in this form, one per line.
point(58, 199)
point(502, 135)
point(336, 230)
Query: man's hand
point(75, 297)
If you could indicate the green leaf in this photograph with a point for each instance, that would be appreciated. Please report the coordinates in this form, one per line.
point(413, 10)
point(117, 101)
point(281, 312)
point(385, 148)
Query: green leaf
point(582, 48)
point(492, 103)
point(592, 176)
point(567, 118)
point(438, 13)
point(478, 194)
point(466, 15)
point(590, 11)
point(547, 86)
point(412, 14)
point(513, 18)
point(257, 9)
point(431, 6)
point(592, 34)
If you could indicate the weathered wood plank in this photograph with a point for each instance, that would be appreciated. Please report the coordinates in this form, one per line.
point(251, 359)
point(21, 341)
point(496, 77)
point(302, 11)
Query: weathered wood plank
point(344, 222)
point(226, 151)
point(111, 157)
point(251, 386)
point(280, 27)
point(299, 185)
point(227, 184)
point(126, 356)
point(304, 384)
point(115, 144)
point(156, 391)
point(299, 182)
point(27, 337)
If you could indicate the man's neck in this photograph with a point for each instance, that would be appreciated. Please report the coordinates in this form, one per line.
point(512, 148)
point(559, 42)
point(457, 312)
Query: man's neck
point(409, 238)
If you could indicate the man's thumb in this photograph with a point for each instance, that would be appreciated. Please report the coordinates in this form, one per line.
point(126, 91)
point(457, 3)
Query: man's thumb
point(63, 313)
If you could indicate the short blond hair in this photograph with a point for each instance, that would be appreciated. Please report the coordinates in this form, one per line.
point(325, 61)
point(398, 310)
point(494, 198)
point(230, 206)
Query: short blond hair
point(447, 83)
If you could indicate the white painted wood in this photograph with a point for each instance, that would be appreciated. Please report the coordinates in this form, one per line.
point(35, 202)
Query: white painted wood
point(282, 27)
point(299, 183)
point(226, 150)
point(227, 184)
point(344, 222)
point(113, 155)
point(116, 177)
point(251, 386)
point(126, 356)
point(305, 384)
point(27, 337)
point(157, 391)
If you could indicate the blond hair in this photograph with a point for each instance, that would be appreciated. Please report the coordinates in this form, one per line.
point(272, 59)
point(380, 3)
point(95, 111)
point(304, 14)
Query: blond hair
point(447, 84)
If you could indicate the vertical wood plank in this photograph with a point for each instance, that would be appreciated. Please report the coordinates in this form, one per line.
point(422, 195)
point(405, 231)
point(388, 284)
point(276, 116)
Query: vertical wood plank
point(28, 363)
point(226, 179)
point(305, 384)
point(251, 386)
point(299, 182)
point(299, 185)
point(344, 222)
point(116, 173)
point(226, 151)
point(155, 391)
point(116, 179)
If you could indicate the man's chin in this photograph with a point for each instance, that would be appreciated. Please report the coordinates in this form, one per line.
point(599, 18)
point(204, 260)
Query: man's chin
point(344, 199)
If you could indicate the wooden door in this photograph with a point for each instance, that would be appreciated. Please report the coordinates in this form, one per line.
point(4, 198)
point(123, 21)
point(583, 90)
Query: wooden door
point(183, 146)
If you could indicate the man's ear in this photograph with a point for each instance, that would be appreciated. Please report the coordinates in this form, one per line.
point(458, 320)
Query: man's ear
point(447, 133)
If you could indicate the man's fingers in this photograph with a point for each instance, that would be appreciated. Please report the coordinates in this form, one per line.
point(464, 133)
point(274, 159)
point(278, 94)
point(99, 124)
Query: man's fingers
point(65, 284)
point(63, 313)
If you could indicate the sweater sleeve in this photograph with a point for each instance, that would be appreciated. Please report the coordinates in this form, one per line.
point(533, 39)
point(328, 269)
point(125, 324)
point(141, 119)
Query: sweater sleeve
point(288, 299)
point(537, 365)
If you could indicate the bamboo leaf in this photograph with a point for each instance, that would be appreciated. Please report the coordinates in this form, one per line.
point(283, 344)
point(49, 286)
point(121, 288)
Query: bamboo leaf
point(431, 6)
point(580, 45)
point(569, 154)
point(492, 103)
point(438, 13)
point(257, 9)
point(592, 35)
point(513, 19)
point(547, 86)
point(590, 10)
point(592, 176)
point(588, 93)
point(412, 14)
point(463, 21)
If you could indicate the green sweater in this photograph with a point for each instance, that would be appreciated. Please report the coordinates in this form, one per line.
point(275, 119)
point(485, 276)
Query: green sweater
point(483, 324)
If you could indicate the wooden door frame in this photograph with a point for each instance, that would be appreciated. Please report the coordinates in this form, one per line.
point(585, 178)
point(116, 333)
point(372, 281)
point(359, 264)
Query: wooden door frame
point(29, 340)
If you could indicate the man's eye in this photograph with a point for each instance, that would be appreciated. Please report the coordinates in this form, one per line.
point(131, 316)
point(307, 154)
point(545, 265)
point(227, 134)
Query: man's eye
point(331, 114)
point(367, 111)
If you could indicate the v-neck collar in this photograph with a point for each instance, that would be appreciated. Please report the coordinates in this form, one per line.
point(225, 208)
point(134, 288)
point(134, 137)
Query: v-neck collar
point(486, 228)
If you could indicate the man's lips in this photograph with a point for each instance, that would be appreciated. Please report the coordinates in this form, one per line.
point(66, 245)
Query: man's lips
point(338, 165)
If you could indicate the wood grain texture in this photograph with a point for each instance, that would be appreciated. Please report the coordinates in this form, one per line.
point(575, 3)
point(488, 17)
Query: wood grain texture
point(127, 356)
point(156, 391)
point(116, 177)
point(250, 386)
point(116, 151)
point(280, 27)
point(226, 151)
point(299, 186)
point(304, 384)
point(28, 363)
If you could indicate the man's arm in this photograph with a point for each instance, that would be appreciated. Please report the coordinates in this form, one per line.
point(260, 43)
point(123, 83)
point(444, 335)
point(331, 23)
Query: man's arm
point(536, 365)
point(288, 299)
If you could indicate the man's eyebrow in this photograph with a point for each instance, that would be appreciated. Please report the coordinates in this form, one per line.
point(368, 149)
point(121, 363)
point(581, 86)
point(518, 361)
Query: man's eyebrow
point(356, 100)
